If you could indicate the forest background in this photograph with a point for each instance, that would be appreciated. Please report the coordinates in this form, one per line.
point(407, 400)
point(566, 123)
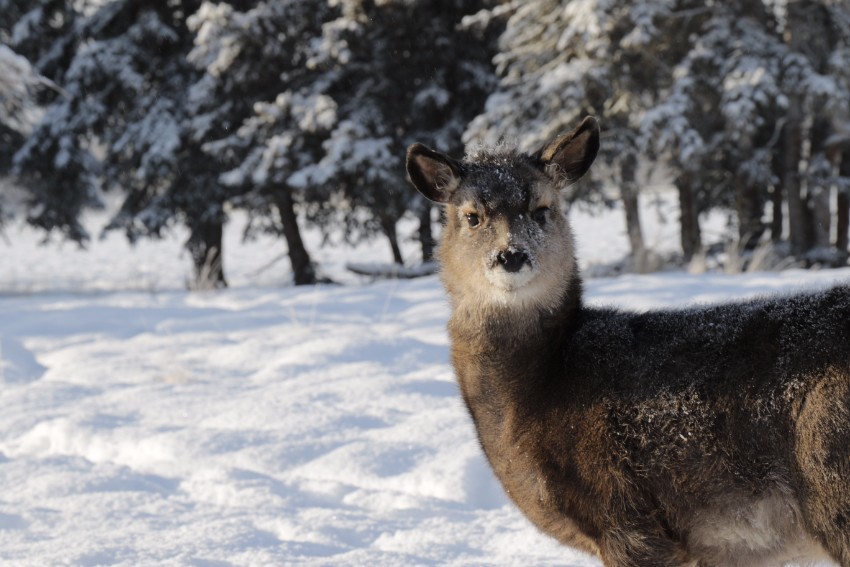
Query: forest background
point(298, 112)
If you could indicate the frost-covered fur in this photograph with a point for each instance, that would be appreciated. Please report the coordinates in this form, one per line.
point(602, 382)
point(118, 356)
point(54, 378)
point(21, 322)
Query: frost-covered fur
point(712, 436)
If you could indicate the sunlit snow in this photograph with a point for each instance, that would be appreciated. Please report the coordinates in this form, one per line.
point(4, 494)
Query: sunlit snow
point(264, 424)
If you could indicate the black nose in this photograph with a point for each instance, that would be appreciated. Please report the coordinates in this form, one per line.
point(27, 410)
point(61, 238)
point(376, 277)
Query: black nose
point(512, 260)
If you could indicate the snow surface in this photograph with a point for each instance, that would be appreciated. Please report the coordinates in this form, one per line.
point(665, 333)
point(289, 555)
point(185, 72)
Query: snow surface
point(263, 424)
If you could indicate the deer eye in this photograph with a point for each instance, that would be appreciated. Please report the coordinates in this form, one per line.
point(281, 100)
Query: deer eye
point(473, 220)
point(539, 215)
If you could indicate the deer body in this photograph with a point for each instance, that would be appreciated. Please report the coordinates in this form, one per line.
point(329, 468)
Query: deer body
point(709, 436)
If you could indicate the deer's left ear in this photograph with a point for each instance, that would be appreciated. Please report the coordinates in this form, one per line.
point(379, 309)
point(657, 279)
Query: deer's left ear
point(435, 175)
point(569, 156)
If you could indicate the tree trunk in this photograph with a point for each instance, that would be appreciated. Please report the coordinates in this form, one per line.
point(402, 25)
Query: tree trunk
point(776, 214)
point(818, 191)
point(426, 235)
point(205, 246)
point(302, 268)
point(389, 227)
point(797, 225)
point(691, 237)
point(629, 193)
point(820, 215)
point(803, 35)
point(749, 208)
point(842, 221)
point(777, 166)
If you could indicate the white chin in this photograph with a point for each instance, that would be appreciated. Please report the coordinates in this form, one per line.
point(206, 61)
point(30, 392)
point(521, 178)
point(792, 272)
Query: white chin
point(510, 285)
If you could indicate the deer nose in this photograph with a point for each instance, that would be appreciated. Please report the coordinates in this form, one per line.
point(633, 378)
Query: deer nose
point(512, 260)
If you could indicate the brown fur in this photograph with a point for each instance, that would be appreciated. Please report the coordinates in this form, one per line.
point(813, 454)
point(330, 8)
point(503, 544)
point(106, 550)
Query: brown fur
point(716, 436)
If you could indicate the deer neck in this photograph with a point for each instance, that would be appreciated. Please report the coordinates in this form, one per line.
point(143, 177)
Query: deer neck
point(509, 369)
point(505, 331)
point(506, 350)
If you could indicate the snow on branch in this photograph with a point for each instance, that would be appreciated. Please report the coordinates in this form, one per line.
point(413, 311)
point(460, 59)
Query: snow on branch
point(18, 81)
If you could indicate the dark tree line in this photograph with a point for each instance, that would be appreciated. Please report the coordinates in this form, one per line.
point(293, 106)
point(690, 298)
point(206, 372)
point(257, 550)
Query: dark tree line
point(190, 107)
point(745, 102)
point(299, 111)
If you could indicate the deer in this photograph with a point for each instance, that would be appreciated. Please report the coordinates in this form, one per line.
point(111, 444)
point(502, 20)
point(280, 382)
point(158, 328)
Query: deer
point(702, 436)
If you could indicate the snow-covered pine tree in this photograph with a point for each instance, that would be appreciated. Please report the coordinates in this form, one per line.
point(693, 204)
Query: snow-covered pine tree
point(57, 178)
point(10, 141)
point(58, 174)
point(817, 142)
point(151, 151)
point(16, 93)
point(706, 88)
point(716, 119)
point(41, 31)
point(336, 89)
point(752, 103)
point(124, 76)
point(560, 60)
point(16, 98)
point(258, 81)
point(399, 71)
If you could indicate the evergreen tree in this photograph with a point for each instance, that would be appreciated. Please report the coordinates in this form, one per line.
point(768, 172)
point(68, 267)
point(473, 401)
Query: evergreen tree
point(392, 88)
point(716, 119)
point(743, 104)
point(560, 60)
point(334, 90)
point(17, 112)
point(735, 97)
point(817, 82)
point(258, 81)
point(124, 76)
point(58, 177)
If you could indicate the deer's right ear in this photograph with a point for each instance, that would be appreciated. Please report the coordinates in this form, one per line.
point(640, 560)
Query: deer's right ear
point(433, 174)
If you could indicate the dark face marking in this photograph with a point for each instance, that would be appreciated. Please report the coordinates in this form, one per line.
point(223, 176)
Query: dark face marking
point(501, 184)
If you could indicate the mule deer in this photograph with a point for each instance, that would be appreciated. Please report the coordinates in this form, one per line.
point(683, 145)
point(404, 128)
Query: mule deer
point(708, 436)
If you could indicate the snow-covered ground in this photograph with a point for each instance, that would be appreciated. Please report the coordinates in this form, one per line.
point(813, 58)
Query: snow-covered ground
point(264, 424)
